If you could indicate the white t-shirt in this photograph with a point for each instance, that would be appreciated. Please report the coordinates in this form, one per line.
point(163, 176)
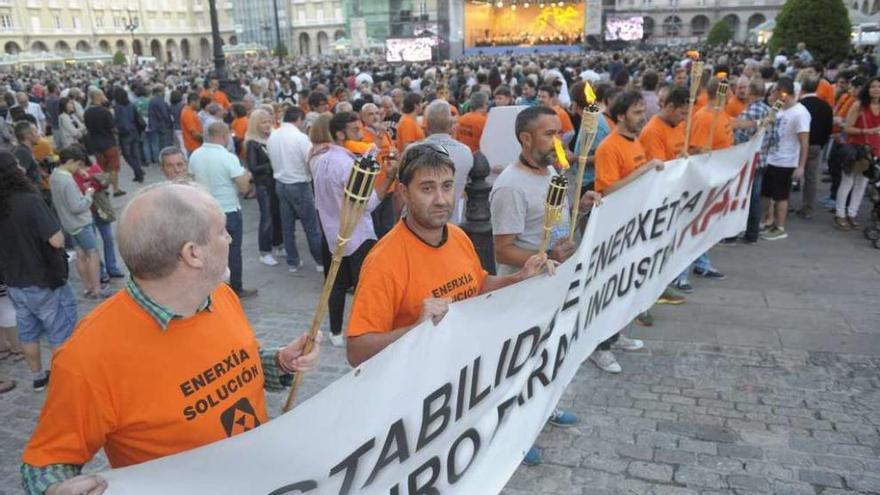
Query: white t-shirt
point(791, 122)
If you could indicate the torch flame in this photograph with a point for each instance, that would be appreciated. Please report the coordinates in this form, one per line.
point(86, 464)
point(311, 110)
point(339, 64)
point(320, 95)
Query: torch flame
point(560, 153)
point(721, 75)
point(589, 94)
point(693, 55)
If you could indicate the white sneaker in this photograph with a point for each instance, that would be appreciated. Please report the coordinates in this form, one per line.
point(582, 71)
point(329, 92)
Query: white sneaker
point(295, 268)
point(627, 344)
point(319, 268)
point(337, 340)
point(605, 361)
point(268, 260)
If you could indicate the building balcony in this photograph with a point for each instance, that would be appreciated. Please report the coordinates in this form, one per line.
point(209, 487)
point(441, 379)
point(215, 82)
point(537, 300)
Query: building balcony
point(308, 23)
point(35, 4)
point(5, 3)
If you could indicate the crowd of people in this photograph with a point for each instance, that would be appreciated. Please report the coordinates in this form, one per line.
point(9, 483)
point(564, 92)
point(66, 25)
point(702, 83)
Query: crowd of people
point(527, 39)
point(290, 144)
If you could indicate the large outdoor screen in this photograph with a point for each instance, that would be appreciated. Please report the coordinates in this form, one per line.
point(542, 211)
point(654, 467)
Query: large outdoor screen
point(408, 49)
point(624, 29)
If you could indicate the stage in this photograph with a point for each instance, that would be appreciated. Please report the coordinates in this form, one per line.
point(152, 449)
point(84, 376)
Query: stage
point(523, 27)
point(521, 50)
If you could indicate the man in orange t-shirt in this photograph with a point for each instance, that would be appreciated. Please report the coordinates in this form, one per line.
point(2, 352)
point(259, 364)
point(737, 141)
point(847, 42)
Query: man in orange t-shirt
point(704, 120)
point(663, 137)
point(375, 132)
point(408, 128)
point(736, 103)
point(423, 264)
point(217, 95)
point(471, 124)
point(190, 124)
point(188, 369)
point(620, 158)
point(548, 97)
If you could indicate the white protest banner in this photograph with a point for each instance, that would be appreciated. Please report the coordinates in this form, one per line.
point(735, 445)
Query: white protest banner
point(453, 408)
point(495, 142)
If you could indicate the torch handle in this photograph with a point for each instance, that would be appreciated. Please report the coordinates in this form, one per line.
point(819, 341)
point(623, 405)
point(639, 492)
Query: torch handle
point(578, 189)
point(350, 217)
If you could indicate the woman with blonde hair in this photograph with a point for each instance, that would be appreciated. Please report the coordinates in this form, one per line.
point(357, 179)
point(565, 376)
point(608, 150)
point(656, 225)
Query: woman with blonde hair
point(260, 124)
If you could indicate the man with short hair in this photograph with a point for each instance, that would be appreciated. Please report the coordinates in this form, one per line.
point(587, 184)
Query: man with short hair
point(408, 128)
point(52, 111)
point(376, 132)
point(736, 103)
point(159, 117)
point(821, 124)
point(650, 79)
point(332, 170)
point(173, 164)
point(620, 160)
point(402, 275)
point(705, 118)
point(318, 104)
point(502, 96)
point(529, 94)
point(27, 136)
point(470, 125)
point(190, 124)
point(439, 126)
point(547, 97)
point(663, 137)
point(135, 393)
point(33, 109)
point(101, 127)
point(786, 159)
point(749, 120)
point(289, 151)
point(221, 173)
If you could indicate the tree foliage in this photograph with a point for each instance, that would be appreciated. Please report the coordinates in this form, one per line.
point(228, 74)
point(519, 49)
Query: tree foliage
point(822, 24)
point(721, 33)
point(281, 50)
point(119, 58)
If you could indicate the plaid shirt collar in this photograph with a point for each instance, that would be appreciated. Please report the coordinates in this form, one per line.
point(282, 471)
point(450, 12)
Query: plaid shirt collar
point(161, 314)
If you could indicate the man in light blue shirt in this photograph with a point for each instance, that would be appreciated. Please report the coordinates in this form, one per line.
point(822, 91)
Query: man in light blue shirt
point(220, 172)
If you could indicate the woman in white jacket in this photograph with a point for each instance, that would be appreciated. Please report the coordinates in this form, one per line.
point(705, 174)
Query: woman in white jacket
point(70, 127)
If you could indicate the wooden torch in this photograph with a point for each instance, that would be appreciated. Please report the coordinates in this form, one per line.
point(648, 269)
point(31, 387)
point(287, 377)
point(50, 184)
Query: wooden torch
point(553, 205)
point(586, 136)
point(696, 75)
point(354, 202)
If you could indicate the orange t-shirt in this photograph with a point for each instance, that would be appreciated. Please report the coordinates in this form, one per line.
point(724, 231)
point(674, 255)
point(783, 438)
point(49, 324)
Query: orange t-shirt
point(470, 129)
point(42, 149)
point(661, 141)
point(825, 91)
point(723, 137)
point(220, 98)
point(189, 126)
point(123, 384)
point(616, 157)
point(408, 131)
point(401, 271)
point(565, 118)
point(239, 129)
point(734, 107)
point(385, 145)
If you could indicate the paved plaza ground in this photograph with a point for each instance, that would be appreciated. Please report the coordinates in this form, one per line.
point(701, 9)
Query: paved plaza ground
point(767, 382)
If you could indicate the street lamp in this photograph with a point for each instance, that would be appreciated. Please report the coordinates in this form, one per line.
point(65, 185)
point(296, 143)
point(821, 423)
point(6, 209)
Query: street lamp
point(131, 25)
point(231, 88)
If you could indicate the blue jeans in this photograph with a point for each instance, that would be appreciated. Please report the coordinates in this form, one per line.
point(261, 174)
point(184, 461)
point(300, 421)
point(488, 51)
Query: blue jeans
point(702, 263)
point(40, 311)
point(298, 202)
point(108, 265)
point(234, 227)
point(753, 226)
point(150, 143)
point(269, 231)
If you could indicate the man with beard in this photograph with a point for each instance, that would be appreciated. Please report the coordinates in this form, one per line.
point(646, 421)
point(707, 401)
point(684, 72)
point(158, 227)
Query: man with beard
point(621, 159)
point(140, 394)
point(405, 279)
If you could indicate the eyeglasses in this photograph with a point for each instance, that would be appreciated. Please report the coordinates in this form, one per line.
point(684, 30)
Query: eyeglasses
point(415, 151)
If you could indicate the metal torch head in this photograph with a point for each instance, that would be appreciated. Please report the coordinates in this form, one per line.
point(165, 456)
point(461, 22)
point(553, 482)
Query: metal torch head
point(556, 191)
point(721, 96)
point(360, 182)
